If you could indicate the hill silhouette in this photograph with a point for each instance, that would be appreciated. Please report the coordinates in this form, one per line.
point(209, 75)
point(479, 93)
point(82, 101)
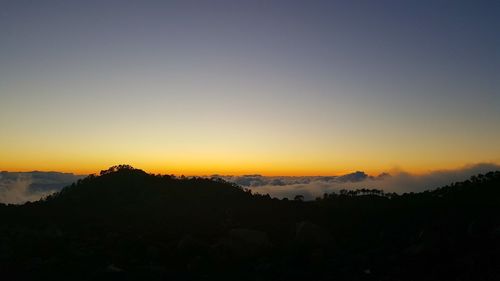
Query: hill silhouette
point(127, 224)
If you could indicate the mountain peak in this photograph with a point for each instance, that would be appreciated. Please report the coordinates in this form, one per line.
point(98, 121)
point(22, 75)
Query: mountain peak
point(122, 168)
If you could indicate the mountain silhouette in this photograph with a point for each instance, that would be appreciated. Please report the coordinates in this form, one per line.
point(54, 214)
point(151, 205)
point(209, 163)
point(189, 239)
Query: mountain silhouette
point(127, 224)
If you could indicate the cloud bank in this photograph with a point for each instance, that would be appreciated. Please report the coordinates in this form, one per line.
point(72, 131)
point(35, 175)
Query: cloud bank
point(20, 187)
point(399, 182)
point(17, 187)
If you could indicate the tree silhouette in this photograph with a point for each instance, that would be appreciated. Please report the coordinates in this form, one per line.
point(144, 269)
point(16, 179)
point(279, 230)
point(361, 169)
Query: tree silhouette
point(127, 224)
point(299, 198)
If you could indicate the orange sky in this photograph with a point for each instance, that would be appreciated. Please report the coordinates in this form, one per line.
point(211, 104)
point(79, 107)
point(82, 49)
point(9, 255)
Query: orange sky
point(313, 88)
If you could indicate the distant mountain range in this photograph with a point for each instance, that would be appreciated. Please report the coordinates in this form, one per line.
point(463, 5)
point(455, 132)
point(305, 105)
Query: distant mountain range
point(19, 187)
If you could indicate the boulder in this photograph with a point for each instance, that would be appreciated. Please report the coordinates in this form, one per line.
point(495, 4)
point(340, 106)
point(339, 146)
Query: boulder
point(311, 235)
point(190, 246)
point(244, 243)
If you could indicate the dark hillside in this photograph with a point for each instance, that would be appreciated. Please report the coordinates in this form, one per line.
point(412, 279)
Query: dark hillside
point(127, 224)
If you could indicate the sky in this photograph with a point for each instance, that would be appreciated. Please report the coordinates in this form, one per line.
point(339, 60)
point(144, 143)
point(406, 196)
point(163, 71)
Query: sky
point(237, 87)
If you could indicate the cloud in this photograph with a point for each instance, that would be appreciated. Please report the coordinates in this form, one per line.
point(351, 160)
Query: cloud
point(17, 188)
point(20, 187)
point(399, 181)
point(14, 191)
point(406, 182)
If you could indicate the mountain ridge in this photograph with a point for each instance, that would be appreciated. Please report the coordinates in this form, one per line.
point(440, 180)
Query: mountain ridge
point(126, 223)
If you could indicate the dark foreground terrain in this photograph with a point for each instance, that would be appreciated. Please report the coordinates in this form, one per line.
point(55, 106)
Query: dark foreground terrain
point(126, 224)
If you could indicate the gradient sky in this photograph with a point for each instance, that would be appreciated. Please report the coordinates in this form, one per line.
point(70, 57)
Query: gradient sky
point(234, 87)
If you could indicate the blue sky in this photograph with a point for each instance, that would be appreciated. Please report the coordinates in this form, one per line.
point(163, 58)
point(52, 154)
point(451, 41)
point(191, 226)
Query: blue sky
point(276, 87)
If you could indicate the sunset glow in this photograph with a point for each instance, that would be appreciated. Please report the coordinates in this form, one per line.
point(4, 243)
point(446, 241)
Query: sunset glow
point(253, 88)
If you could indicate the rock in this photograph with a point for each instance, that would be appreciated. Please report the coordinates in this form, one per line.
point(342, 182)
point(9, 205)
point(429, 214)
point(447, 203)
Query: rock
point(495, 233)
point(311, 235)
point(251, 237)
point(190, 246)
point(113, 268)
point(428, 241)
point(244, 243)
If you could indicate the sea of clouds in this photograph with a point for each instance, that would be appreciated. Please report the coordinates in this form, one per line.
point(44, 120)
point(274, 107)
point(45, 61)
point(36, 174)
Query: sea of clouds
point(397, 181)
point(20, 187)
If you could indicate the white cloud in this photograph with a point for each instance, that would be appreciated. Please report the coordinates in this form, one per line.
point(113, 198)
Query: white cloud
point(18, 188)
point(400, 182)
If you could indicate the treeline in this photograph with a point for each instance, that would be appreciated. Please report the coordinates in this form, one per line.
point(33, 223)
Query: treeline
point(127, 224)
